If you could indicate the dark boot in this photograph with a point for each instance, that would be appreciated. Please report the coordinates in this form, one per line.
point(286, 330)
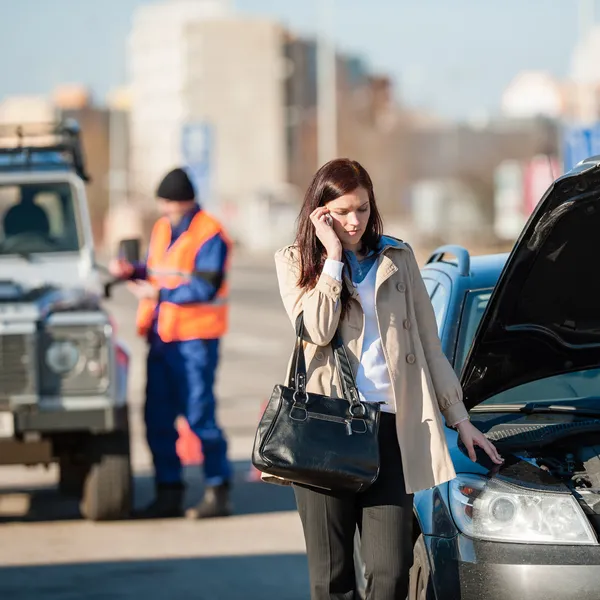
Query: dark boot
point(168, 503)
point(216, 503)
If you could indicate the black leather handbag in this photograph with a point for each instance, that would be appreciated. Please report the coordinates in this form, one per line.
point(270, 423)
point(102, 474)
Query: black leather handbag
point(307, 438)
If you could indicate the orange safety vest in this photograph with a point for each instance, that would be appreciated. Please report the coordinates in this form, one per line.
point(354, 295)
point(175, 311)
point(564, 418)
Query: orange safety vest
point(170, 267)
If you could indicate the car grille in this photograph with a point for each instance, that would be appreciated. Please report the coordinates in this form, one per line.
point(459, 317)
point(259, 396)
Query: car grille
point(15, 368)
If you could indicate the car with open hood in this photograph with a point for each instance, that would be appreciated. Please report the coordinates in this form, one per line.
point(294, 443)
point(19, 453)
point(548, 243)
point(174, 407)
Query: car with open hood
point(523, 332)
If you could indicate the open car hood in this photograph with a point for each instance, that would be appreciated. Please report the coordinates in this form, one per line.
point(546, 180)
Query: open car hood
point(543, 318)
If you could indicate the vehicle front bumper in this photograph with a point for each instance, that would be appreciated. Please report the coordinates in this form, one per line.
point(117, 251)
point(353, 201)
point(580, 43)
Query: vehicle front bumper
point(99, 419)
point(39, 434)
point(466, 569)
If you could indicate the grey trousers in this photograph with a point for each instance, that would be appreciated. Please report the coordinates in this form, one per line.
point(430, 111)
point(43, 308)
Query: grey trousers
point(383, 514)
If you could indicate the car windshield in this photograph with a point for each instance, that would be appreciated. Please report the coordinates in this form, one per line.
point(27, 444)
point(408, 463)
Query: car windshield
point(579, 384)
point(36, 218)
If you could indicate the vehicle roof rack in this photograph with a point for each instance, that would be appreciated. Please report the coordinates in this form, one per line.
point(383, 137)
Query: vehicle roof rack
point(462, 255)
point(35, 145)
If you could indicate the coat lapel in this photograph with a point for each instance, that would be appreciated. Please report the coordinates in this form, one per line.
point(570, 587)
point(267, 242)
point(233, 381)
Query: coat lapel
point(385, 270)
point(351, 288)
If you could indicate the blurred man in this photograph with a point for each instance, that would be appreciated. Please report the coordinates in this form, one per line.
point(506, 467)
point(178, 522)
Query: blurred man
point(183, 313)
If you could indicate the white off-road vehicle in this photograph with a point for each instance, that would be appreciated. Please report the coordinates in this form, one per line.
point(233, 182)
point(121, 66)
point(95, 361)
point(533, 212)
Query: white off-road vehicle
point(63, 374)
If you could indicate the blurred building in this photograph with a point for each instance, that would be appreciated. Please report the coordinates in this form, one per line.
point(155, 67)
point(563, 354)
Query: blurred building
point(105, 139)
point(368, 119)
point(455, 178)
point(576, 98)
point(584, 78)
point(235, 99)
point(75, 102)
point(119, 99)
point(300, 89)
point(72, 97)
point(533, 94)
point(165, 70)
point(236, 89)
point(27, 109)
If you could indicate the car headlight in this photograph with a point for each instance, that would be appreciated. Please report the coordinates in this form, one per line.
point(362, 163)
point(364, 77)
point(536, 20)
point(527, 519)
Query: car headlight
point(490, 509)
point(62, 356)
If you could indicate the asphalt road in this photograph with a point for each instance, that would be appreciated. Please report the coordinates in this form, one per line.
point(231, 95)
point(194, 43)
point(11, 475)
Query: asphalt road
point(47, 552)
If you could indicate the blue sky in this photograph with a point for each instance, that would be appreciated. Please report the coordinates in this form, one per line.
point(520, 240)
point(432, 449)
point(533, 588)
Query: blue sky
point(453, 56)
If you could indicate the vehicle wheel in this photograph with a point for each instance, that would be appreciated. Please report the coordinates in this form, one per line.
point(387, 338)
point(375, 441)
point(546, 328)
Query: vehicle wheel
point(72, 477)
point(359, 569)
point(421, 586)
point(107, 492)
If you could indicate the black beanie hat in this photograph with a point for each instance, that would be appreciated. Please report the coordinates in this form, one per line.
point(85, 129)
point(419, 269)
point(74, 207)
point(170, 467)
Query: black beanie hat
point(176, 186)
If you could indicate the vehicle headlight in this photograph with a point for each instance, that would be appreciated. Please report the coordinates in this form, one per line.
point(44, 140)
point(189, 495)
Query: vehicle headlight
point(490, 509)
point(62, 356)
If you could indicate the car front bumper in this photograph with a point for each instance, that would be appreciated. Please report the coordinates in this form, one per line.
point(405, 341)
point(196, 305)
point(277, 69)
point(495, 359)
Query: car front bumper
point(38, 434)
point(100, 419)
point(466, 569)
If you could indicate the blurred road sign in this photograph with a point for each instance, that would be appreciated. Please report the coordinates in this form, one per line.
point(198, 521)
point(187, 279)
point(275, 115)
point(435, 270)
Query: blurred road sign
point(539, 173)
point(509, 216)
point(197, 152)
point(580, 142)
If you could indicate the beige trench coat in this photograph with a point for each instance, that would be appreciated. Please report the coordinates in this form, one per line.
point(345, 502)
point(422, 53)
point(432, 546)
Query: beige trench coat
point(424, 383)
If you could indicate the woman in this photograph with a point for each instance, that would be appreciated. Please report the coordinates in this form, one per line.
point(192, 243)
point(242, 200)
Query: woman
point(342, 272)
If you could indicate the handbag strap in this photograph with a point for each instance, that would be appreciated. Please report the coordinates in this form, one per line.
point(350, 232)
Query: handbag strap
point(298, 366)
point(342, 362)
point(344, 369)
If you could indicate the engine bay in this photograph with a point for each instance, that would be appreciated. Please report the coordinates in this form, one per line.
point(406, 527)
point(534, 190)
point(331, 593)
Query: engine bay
point(575, 461)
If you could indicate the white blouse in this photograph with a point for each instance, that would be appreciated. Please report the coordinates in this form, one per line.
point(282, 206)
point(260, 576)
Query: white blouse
point(373, 376)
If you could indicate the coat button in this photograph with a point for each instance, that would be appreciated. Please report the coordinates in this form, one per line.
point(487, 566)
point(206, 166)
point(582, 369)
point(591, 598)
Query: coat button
point(335, 289)
point(410, 359)
point(319, 355)
point(401, 287)
point(406, 324)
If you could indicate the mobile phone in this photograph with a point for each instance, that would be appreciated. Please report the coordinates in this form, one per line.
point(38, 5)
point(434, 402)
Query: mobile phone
point(329, 220)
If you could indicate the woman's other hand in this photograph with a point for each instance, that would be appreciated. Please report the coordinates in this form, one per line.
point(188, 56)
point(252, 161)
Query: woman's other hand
point(471, 437)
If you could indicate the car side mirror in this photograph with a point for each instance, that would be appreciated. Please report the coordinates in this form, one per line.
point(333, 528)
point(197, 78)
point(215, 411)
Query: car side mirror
point(129, 250)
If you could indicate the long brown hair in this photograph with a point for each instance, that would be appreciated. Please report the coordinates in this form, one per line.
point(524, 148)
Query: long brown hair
point(334, 179)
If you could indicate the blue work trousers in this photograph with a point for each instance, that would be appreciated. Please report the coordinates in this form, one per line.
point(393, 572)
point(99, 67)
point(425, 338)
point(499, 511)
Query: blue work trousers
point(180, 381)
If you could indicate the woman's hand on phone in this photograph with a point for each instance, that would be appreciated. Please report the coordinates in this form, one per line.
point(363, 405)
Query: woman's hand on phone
point(323, 223)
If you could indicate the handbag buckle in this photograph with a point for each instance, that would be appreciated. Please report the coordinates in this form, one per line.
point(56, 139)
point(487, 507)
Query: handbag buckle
point(300, 397)
point(363, 429)
point(297, 406)
point(358, 411)
point(294, 408)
